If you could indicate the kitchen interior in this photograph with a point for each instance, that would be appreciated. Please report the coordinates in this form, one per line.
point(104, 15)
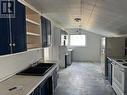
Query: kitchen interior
point(63, 47)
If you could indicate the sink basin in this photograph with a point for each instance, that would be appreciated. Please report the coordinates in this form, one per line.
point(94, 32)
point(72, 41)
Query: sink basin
point(124, 64)
point(34, 71)
point(48, 65)
point(38, 70)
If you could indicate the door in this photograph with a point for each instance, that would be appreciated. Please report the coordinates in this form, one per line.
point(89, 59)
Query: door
point(4, 36)
point(18, 28)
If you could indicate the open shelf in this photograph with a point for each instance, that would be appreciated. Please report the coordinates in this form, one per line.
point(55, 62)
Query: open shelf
point(33, 28)
point(32, 15)
point(32, 22)
point(33, 41)
point(32, 46)
point(33, 34)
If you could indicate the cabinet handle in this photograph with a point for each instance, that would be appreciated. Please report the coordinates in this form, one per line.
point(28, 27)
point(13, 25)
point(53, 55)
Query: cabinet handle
point(13, 44)
point(10, 44)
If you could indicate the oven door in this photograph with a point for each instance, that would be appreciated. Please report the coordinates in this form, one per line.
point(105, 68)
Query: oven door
point(118, 77)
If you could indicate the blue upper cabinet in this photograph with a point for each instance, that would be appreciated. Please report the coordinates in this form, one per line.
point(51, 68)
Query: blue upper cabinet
point(18, 29)
point(4, 36)
point(48, 25)
point(13, 31)
point(46, 32)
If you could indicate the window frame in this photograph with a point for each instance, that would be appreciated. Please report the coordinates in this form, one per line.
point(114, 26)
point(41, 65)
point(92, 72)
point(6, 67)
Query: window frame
point(77, 45)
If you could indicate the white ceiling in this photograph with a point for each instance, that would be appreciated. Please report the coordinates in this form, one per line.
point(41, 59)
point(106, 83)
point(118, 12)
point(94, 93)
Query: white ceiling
point(106, 17)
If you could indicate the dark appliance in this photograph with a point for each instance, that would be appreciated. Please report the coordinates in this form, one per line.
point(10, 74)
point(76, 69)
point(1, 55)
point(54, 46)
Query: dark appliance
point(109, 62)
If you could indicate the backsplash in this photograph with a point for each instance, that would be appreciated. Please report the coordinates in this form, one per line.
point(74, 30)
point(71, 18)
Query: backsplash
point(13, 63)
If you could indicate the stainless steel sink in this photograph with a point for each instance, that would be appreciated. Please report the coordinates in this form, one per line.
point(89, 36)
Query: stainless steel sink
point(38, 70)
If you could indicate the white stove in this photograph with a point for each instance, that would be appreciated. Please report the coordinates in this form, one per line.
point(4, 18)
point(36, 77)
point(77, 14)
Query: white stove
point(119, 78)
point(120, 61)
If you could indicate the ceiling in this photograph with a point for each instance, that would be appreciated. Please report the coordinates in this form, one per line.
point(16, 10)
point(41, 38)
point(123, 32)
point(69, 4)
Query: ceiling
point(105, 17)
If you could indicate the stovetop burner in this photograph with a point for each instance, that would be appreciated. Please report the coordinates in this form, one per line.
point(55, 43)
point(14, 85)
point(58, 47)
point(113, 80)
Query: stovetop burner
point(125, 60)
point(119, 60)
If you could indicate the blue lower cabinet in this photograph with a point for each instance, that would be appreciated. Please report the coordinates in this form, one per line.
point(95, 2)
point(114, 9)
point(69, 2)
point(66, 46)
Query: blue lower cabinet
point(37, 91)
point(45, 88)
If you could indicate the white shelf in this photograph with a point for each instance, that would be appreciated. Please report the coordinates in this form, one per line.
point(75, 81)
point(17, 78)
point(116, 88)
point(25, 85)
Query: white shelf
point(33, 34)
point(33, 22)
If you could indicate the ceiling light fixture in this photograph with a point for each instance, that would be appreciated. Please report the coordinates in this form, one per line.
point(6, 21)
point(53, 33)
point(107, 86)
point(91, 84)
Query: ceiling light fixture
point(77, 19)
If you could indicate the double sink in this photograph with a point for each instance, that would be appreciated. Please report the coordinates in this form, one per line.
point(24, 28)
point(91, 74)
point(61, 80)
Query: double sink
point(38, 70)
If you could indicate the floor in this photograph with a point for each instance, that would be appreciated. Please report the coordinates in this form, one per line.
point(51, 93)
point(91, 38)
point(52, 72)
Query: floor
point(83, 79)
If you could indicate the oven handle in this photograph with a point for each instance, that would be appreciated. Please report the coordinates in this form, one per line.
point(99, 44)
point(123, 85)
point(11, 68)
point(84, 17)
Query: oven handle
point(121, 70)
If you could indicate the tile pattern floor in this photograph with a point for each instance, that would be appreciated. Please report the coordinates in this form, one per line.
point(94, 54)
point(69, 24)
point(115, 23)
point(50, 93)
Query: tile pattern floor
point(83, 79)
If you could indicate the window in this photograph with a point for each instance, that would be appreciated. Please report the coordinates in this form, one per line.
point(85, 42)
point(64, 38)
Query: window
point(77, 40)
point(46, 54)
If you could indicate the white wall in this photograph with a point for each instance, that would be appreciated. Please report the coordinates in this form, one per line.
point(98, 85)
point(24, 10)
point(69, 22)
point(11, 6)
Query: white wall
point(92, 50)
point(13, 63)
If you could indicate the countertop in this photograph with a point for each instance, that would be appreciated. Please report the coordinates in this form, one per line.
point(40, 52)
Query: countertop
point(25, 84)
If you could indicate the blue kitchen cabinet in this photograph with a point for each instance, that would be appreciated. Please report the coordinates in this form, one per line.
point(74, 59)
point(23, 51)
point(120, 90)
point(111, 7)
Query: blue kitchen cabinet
point(4, 36)
point(36, 91)
point(48, 27)
point(13, 31)
point(18, 28)
point(46, 32)
point(45, 88)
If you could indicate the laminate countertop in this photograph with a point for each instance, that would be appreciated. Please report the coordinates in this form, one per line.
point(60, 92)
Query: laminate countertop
point(25, 84)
